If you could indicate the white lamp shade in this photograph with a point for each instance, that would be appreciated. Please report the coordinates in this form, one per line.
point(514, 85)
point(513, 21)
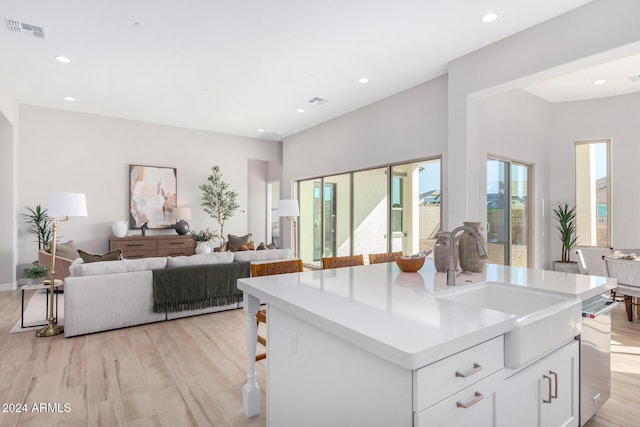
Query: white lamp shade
point(288, 208)
point(181, 213)
point(67, 204)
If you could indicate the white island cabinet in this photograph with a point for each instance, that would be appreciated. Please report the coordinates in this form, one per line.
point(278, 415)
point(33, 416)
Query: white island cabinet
point(543, 394)
point(374, 346)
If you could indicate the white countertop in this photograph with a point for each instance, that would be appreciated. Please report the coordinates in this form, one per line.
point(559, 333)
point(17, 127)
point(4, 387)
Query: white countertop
point(397, 315)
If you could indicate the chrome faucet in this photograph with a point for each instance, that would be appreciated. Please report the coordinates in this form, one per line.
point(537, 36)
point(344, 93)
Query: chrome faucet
point(451, 271)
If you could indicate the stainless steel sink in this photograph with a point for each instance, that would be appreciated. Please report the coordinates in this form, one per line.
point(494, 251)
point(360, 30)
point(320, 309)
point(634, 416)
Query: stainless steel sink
point(544, 321)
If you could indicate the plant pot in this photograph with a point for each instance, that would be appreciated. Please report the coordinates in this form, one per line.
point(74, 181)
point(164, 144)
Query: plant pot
point(566, 267)
point(203, 248)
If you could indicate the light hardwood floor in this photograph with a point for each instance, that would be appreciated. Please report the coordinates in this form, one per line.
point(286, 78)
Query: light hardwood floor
point(189, 372)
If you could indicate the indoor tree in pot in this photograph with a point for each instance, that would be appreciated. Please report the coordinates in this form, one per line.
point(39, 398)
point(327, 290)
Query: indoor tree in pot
point(218, 200)
point(566, 225)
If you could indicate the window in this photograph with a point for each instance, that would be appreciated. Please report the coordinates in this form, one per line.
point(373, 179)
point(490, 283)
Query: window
point(593, 204)
point(375, 210)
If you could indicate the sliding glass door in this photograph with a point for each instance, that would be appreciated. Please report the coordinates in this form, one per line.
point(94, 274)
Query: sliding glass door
point(415, 205)
point(395, 207)
point(370, 211)
point(508, 212)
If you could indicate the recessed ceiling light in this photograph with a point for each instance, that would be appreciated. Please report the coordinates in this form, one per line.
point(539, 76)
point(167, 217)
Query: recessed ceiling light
point(364, 80)
point(599, 82)
point(63, 59)
point(300, 110)
point(489, 17)
point(69, 98)
point(260, 130)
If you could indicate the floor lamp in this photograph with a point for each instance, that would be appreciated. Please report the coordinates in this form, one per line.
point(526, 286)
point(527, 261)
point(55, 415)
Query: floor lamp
point(62, 206)
point(289, 209)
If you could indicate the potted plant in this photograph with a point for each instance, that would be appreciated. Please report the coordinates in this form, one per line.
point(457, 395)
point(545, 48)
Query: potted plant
point(565, 217)
point(35, 274)
point(202, 238)
point(218, 200)
point(40, 225)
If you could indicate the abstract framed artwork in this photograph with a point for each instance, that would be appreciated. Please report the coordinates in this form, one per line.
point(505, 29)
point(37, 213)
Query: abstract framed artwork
point(152, 196)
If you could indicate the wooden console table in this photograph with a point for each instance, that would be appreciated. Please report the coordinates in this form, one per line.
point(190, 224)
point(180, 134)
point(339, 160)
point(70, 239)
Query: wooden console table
point(152, 246)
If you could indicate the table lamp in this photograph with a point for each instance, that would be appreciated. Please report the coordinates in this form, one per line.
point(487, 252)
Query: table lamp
point(289, 209)
point(62, 206)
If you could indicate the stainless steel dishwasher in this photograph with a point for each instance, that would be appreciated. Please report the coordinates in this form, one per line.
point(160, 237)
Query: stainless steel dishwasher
point(595, 355)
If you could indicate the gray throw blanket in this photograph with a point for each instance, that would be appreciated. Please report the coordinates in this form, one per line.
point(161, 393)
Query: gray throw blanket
point(197, 286)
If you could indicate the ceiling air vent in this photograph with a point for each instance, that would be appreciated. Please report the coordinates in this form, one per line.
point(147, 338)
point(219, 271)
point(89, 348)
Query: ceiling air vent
point(317, 101)
point(635, 78)
point(22, 28)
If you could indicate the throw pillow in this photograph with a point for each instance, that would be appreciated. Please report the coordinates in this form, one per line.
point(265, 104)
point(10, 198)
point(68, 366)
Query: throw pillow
point(109, 256)
point(235, 241)
point(261, 247)
point(67, 250)
point(271, 246)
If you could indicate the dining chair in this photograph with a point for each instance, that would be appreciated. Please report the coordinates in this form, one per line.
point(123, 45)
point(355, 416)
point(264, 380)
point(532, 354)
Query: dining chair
point(628, 289)
point(384, 257)
point(342, 261)
point(269, 269)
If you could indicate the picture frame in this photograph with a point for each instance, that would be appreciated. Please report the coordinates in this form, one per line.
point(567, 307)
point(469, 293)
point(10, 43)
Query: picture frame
point(153, 193)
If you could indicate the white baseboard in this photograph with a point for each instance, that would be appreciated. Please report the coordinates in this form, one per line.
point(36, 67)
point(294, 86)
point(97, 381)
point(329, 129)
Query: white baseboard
point(7, 286)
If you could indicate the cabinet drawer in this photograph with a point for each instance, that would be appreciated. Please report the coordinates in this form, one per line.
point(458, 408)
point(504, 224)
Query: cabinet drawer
point(479, 400)
point(181, 242)
point(140, 244)
point(447, 376)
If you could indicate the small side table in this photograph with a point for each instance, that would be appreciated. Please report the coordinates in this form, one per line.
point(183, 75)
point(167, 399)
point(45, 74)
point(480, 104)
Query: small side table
point(46, 286)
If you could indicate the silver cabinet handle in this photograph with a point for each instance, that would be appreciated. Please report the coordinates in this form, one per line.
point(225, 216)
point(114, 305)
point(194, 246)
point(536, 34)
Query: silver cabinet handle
point(478, 397)
point(476, 368)
point(555, 395)
point(550, 393)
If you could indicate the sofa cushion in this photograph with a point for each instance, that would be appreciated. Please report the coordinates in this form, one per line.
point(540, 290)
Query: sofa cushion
point(67, 250)
point(142, 264)
point(199, 259)
point(109, 256)
point(257, 256)
point(235, 241)
point(99, 268)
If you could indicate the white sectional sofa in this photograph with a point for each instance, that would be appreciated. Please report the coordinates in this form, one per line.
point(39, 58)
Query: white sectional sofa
point(107, 295)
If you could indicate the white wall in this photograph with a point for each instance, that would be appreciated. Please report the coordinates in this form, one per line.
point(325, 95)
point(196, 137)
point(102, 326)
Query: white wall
point(67, 151)
point(409, 125)
point(256, 206)
point(616, 118)
point(515, 126)
point(8, 183)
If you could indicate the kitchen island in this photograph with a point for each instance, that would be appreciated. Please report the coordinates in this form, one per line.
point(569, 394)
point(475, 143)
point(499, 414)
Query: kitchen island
point(369, 345)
